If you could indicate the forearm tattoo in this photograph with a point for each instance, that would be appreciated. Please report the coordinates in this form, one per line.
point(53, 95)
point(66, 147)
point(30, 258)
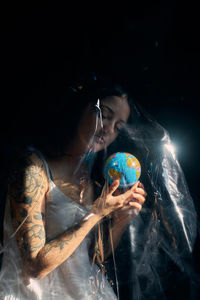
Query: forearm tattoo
point(63, 240)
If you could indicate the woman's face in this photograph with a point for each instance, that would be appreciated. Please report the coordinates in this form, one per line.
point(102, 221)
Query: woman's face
point(115, 113)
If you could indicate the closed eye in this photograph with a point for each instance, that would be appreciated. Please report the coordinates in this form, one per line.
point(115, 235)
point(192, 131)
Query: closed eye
point(106, 112)
point(120, 126)
point(105, 116)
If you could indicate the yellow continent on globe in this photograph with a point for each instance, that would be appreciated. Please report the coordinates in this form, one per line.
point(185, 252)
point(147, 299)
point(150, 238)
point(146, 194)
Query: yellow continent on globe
point(115, 175)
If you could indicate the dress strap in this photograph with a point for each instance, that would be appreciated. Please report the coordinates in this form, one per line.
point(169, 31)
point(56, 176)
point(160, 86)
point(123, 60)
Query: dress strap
point(41, 156)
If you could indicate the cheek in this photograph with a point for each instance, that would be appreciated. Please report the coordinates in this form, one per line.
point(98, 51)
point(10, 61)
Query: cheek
point(112, 138)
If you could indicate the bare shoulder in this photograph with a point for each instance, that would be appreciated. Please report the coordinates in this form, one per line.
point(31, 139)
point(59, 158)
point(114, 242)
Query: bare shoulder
point(28, 178)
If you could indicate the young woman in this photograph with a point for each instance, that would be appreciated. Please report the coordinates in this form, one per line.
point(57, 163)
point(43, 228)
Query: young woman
point(53, 215)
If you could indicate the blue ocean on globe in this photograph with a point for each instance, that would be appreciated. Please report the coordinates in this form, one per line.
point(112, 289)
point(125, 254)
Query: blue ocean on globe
point(124, 167)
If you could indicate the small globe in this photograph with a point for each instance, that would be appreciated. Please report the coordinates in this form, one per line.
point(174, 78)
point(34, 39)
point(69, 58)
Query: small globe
point(124, 167)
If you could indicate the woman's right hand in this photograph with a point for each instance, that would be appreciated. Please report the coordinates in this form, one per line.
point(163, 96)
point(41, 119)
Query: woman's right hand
point(107, 203)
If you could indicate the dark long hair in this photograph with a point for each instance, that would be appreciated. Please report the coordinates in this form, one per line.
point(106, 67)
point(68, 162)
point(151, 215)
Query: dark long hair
point(58, 123)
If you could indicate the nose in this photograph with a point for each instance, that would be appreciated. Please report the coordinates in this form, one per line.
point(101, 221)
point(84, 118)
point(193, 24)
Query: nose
point(108, 127)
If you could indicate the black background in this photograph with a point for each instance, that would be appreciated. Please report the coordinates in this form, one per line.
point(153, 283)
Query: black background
point(152, 47)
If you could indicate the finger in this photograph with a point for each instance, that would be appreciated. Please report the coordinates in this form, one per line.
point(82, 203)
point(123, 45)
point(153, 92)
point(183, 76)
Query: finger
point(135, 186)
point(141, 185)
point(113, 187)
point(128, 196)
point(140, 191)
point(136, 198)
point(139, 198)
point(124, 208)
point(135, 205)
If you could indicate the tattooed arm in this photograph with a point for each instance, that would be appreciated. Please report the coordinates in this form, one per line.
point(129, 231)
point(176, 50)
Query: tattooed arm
point(27, 193)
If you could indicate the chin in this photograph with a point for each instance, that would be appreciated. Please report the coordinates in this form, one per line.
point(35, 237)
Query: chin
point(99, 147)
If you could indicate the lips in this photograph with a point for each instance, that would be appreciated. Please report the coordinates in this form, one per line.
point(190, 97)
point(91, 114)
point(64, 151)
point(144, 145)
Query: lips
point(99, 139)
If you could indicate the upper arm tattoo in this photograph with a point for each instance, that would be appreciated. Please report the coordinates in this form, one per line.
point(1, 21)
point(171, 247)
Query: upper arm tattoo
point(27, 190)
point(27, 182)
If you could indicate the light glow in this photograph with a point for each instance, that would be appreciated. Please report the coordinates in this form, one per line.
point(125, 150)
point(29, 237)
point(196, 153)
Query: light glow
point(171, 148)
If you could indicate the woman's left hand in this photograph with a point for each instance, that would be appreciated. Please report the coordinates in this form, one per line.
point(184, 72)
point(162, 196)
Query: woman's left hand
point(128, 212)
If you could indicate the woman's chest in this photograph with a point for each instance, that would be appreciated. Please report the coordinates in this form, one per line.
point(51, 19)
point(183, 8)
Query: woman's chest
point(80, 192)
point(61, 212)
point(77, 187)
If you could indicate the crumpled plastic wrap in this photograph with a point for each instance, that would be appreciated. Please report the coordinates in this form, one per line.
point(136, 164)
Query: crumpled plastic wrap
point(159, 241)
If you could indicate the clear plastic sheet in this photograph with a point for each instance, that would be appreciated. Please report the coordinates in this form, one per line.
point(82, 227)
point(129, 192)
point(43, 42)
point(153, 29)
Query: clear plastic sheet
point(166, 228)
point(161, 235)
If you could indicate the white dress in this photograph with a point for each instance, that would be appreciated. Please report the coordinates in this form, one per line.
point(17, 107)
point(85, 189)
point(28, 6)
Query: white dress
point(75, 278)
